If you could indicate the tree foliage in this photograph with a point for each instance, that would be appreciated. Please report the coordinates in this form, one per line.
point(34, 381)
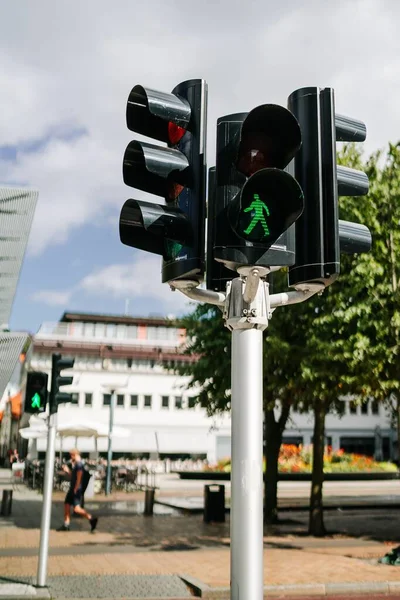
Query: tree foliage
point(345, 341)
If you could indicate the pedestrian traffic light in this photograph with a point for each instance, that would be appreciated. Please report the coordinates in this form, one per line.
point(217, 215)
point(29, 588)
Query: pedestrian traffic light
point(36, 393)
point(320, 235)
point(58, 380)
point(174, 230)
point(256, 200)
point(217, 275)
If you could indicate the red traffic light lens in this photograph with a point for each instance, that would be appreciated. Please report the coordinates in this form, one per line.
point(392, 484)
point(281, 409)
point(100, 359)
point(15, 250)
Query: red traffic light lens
point(175, 133)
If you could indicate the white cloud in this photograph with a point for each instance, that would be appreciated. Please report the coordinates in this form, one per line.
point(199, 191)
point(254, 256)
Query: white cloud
point(138, 280)
point(62, 64)
point(52, 297)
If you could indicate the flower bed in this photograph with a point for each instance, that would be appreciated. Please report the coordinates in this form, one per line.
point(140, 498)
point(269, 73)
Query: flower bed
point(298, 459)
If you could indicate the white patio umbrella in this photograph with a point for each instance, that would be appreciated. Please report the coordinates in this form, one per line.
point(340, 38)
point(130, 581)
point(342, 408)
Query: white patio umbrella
point(38, 430)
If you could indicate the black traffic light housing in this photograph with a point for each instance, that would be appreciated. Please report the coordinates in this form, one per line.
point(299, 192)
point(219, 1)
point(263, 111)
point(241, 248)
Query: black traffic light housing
point(256, 200)
point(36, 393)
point(57, 380)
point(174, 230)
point(320, 235)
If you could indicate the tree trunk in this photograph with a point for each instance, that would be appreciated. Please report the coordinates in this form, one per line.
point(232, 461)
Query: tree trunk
point(316, 522)
point(273, 440)
point(398, 429)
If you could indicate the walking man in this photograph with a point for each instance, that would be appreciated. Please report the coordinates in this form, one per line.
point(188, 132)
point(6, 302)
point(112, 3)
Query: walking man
point(75, 492)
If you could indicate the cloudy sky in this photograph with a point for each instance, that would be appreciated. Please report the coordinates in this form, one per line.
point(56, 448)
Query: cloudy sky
point(66, 69)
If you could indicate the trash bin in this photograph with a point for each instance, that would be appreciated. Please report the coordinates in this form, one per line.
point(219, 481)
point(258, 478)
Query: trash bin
point(214, 503)
point(149, 501)
point(6, 503)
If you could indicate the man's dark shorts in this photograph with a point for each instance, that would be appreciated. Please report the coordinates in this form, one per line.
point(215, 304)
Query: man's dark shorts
point(73, 498)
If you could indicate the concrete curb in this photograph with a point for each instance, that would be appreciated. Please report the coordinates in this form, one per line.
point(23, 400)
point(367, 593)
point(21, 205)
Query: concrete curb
point(18, 591)
point(202, 590)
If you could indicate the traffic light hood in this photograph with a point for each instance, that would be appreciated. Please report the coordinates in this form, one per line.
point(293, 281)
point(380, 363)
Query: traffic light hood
point(149, 112)
point(160, 171)
point(270, 137)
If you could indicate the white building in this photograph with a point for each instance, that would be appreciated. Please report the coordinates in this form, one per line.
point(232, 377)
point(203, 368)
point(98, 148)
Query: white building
point(131, 355)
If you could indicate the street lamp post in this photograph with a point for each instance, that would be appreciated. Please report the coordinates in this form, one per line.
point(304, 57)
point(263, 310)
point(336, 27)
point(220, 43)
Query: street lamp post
point(109, 450)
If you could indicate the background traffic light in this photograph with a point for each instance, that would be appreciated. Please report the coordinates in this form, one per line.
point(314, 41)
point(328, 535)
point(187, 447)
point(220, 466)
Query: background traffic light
point(256, 200)
point(175, 230)
point(320, 235)
point(36, 393)
point(58, 380)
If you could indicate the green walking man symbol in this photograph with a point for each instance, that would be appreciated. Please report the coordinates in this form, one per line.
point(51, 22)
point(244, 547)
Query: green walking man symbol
point(259, 209)
point(35, 402)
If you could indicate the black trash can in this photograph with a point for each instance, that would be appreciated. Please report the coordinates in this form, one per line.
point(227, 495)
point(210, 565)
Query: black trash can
point(149, 502)
point(6, 503)
point(214, 503)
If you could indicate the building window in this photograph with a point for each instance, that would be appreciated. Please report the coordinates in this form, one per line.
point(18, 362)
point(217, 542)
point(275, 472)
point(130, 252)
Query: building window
point(106, 399)
point(121, 332)
point(134, 401)
point(178, 402)
point(353, 407)
point(364, 408)
point(111, 330)
point(147, 401)
point(89, 329)
point(192, 402)
point(165, 402)
point(75, 398)
point(120, 400)
point(88, 399)
point(131, 331)
point(375, 407)
point(129, 363)
point(99, 330)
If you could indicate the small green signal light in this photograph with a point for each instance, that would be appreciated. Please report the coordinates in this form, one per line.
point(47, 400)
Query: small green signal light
point(259, 211)
point(36, 401)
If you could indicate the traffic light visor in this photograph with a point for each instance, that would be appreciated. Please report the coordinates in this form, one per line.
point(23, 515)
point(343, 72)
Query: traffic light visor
point(150, 113)
point(270, 137)
point(152, 227)
point(160, 171)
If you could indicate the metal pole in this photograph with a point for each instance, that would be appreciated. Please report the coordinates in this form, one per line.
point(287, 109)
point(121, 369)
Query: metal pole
point(247, 459)
point(109, 452)
point(47, 496)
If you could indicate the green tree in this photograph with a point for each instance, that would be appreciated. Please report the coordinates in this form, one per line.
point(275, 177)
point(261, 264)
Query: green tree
point(353, 335)
point(210, 374)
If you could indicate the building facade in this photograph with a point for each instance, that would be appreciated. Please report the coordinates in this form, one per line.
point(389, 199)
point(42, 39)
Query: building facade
point(133, 356)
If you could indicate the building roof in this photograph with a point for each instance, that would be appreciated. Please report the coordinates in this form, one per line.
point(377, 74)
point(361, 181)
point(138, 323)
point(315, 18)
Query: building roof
point(17, 207)
point(119, 319)
point(11, 346)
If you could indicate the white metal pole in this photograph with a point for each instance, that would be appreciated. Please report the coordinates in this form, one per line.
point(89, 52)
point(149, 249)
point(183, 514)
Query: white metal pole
point(247, 460)
point(47, 499)
point(109, 452)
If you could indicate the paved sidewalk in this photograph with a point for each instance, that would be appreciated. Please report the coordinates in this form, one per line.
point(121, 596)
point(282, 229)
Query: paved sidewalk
point(131, 552)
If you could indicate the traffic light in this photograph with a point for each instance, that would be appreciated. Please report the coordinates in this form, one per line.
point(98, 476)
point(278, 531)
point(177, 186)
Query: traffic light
point(320, 235)
point(36, 393)
point(256, 200)
point(217, 275)
point(58, 380)
point(174, 230)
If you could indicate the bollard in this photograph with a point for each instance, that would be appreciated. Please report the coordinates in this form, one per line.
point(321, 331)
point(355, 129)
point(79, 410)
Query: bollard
point(6, 503)
point(214, 504)
point(148, 502)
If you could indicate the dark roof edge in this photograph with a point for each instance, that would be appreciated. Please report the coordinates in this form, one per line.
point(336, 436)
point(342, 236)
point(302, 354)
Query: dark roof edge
point(117, 319)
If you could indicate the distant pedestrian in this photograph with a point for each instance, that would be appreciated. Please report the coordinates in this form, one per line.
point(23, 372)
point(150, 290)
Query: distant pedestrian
point(74, 495)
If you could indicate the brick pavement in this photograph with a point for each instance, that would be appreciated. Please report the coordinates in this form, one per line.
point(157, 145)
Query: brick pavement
point(127, 543)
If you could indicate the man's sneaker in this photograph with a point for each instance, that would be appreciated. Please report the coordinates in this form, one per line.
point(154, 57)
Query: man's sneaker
point(93, 524)
point(390, 558)
point(64, 528)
